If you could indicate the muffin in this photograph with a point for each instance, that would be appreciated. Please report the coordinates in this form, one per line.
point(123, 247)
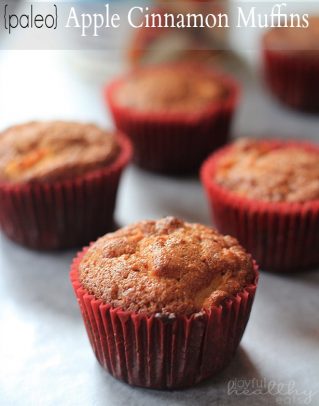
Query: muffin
point(291, 64)
point(165, 303)
point(266, 194)
point(174, 114)
point(149, 45)
point(58, 182)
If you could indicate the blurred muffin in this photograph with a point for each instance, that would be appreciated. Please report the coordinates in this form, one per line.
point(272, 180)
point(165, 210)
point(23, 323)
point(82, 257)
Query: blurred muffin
point(266, 193)
point(176, 296)
point(58, 182)
point(161, 44)
point(174, 114)
point(291, 64)
point(150, 45)
point(54, 151)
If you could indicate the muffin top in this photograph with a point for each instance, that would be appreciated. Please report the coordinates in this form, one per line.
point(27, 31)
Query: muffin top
point(165, 266)
point(276, 173)
point(51, 151)
point(294, 39)
point(176, 89)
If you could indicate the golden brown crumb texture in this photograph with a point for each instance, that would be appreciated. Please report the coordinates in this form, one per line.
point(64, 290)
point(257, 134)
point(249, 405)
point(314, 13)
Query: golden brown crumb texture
point(50, 151)
point(170, 89)
point(165, 266)
point(258, 170)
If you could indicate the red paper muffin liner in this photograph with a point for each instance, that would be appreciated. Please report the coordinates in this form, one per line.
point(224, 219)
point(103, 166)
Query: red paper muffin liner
point(163, 352)
point(293, 78)
point(63, 214)
point(175, 143)
point(280, 236)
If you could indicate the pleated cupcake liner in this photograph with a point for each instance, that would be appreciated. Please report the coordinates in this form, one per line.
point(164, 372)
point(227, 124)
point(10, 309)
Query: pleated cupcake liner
point(293, 78)
point(175, 143)
point(282, 237)
point(163, 352)
point(63, 214)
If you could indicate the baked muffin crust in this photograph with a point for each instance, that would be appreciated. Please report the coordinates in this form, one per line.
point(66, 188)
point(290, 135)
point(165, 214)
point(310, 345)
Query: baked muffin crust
point(170, 89)
point(258, 170)
point(165, 266)
point(51, 151)
point(294, 38)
